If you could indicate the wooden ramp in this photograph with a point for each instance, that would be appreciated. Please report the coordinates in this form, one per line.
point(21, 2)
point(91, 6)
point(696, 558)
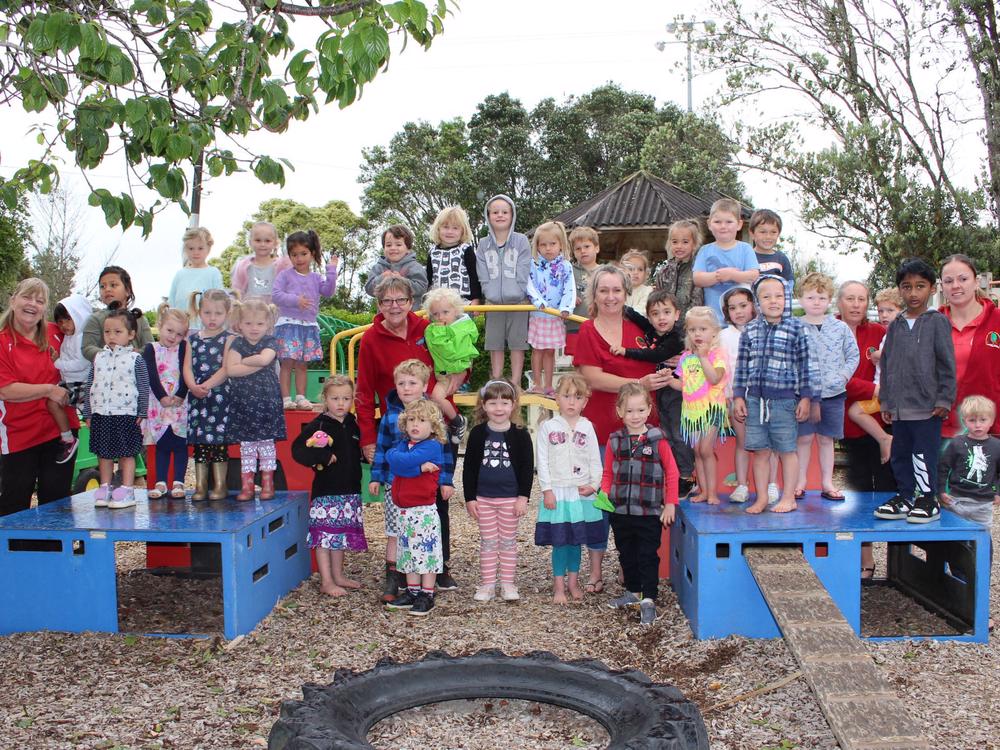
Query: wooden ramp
point(860, 705)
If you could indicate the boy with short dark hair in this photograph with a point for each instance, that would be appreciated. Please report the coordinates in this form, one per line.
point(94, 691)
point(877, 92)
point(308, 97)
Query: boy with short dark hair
point(916, 391)
point(765, 229)
point(398, 259)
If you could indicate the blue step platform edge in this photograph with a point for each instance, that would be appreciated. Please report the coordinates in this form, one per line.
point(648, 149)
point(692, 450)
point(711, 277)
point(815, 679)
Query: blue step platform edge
point(57, 561)
point(720, 597)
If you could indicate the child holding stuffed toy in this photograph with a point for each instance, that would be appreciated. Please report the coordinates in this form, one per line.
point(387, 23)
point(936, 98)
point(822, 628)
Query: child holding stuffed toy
point(331, 446)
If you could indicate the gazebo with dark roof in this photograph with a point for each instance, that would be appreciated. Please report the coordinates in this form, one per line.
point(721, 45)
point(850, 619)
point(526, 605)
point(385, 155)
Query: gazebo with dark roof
point(637, 212)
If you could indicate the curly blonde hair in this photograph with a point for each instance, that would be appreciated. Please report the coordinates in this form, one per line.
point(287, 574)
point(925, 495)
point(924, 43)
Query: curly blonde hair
point(336, 381)
point(424, 409)
point(446, 295)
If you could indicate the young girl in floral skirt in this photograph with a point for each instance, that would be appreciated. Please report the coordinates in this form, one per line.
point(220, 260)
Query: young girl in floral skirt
point(331, 446)
point(167, 415)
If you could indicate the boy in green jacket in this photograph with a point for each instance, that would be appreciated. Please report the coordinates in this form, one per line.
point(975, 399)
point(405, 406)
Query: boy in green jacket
point(451, 340)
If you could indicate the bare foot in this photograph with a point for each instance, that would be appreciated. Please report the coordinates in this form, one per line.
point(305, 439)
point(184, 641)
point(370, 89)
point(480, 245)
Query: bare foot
point(348, 583)
point(759, 506)
point(333, 590)
point(699, 498)
point(784, 505)
point(559, 597)
point(713, 499)
point(575, 592)
point(885, 448)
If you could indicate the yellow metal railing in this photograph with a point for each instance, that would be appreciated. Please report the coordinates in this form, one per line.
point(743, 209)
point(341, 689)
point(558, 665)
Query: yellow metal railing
point(466, 399)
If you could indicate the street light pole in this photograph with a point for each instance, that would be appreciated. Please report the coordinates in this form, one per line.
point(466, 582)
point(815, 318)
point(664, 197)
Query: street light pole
point(687, 29)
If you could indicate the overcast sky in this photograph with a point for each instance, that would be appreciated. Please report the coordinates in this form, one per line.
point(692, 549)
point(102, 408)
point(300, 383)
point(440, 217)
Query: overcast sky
point(529, 48)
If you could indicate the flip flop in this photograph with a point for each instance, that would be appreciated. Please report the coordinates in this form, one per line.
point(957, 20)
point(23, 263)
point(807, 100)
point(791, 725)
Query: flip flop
point(595, 587)
point(799, 494)
point(838, 496)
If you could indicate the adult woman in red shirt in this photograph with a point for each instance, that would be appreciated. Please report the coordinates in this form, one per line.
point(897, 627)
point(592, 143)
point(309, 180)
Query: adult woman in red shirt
point(29, 437)
point(975, 332)
point(605, 372)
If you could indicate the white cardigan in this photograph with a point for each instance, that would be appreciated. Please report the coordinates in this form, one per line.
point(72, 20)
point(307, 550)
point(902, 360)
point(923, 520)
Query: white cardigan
point(567, 457)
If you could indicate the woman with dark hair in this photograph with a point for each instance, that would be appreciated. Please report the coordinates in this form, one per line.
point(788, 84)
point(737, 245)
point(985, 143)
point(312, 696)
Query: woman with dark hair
point(975, 334)
point(115, 286)
point(29, 437)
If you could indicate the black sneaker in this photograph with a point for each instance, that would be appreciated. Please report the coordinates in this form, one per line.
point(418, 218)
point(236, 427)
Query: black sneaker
point(404, 601)
point(925, 510)
point(445, 582)
point(894, 509)
point(457, 429)
point(684, 487)
point(390, 589)
point(422, 606)
point(67, 449)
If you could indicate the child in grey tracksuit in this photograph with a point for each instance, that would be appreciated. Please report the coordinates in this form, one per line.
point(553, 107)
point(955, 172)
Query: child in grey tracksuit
point(398, 258)
point(503, 264)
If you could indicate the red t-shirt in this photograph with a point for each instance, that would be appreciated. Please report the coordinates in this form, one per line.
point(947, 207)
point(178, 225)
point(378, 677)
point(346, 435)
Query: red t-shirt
point(861, 386)
point(593, 350)
point(26, 424)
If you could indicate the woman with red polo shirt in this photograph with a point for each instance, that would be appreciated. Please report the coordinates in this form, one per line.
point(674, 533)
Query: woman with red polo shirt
point(395, 334)
point(975, 333)
point(29, 437)
point(605, 372)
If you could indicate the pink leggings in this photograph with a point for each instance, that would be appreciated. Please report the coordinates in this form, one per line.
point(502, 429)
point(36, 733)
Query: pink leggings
point(252, 450)
point(498, 530)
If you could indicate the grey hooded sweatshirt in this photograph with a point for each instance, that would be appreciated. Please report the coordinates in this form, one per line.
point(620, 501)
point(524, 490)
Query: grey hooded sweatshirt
point(408, 267)
point(72, 365)
point(504, 270)
point(918, 367)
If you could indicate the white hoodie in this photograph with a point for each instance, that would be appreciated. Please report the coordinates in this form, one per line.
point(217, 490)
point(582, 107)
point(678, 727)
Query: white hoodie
point(71, 363)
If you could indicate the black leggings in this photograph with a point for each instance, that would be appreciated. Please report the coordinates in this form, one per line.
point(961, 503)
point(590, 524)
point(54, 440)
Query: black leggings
point(32, 469)
point(211, 454)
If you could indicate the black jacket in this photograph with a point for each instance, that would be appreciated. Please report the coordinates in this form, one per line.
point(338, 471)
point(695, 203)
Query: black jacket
point(342, 477)
point(661, 348)
point(522, 456)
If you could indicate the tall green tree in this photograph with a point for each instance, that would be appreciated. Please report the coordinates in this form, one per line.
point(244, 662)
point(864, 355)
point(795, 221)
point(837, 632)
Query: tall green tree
point(15, 233)
point(172, 83)
point(875, 80)
point(340, 230)
point(55, 240)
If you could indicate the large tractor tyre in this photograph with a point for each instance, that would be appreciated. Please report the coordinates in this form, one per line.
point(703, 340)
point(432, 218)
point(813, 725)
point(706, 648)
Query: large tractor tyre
point(637, 713)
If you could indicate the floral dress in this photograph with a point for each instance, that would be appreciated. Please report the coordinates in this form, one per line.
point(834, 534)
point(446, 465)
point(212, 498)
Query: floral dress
point(208, 418)
point(160, 418)
point(255, 411)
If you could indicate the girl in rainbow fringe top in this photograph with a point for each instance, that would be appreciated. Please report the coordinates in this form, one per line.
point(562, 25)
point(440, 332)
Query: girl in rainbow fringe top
point(703, 371)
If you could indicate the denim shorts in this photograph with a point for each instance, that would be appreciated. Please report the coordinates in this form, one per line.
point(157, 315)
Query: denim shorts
point(831, 419)
point(778, 431)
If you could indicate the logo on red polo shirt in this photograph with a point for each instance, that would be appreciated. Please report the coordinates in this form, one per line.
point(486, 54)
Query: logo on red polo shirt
point(993, 339)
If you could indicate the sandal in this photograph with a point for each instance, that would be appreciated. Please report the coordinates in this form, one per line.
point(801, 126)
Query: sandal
point(868, 580)
point(595, 587)
point(287, 403)
point(158, 491)
point(177, 491)
point(303, 404)
point(799, 494)
point(835, 495)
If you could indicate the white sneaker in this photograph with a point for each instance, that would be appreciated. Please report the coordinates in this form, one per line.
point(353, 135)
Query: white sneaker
point(287, 403)
point(509, 592)
point(485, 593)
point(122, 497)
point(158, 491)
point(773, 493)
point(740, 495)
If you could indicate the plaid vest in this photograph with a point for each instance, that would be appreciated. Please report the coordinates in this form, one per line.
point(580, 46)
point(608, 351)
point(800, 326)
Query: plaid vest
point(637, 475)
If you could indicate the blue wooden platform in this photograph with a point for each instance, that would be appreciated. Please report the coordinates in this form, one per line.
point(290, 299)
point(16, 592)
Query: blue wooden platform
point(944, 564)
point(57, 562)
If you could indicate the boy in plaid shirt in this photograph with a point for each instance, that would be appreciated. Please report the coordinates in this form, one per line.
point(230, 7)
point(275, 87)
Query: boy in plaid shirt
point(773, 388)
point(411, 377)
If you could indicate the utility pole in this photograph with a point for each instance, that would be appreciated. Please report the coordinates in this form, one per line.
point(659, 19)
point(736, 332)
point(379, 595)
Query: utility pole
point(687, 29)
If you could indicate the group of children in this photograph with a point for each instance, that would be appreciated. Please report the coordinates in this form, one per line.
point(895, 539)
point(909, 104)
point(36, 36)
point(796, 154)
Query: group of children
point(744, 366)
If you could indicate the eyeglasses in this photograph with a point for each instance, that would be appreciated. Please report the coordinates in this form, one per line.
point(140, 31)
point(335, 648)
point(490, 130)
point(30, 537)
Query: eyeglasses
point(396, 301)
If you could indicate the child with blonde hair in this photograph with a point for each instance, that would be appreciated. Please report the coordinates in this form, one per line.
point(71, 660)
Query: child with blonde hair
point(206, 379)
point(702, 375)
point(451, 340)
point(569, 473)
point(675, 275)
point(641, 507)
point(415, 462)
point(636, 265)
point(727, 261)
point(256, 418)
point(297, 292)
point(889, 305)
point(497, 476)
point(196, 275)
point(550, 284)
point(451, 261)
point(254, 274)
point(969, 468)
point(167, 414)
point(331, 446)
point(586, 247)
point(832, 343)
